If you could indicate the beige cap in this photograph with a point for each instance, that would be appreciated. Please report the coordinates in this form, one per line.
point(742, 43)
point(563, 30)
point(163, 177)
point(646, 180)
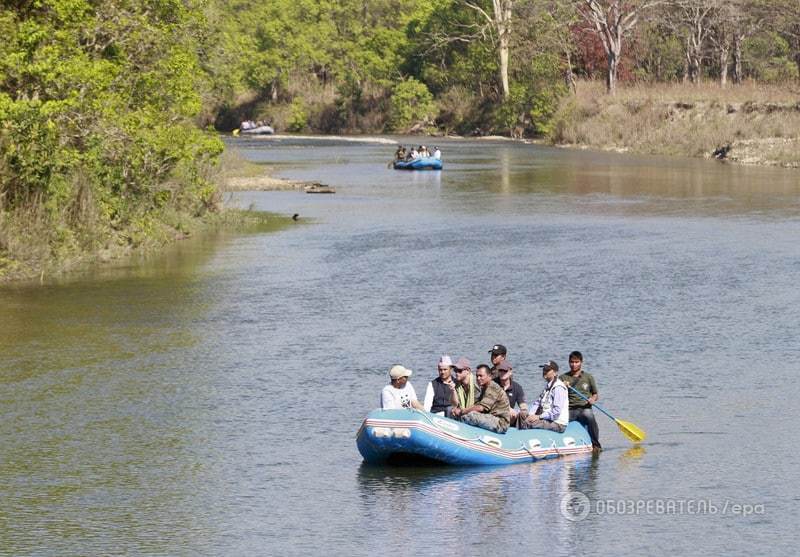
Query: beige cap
point(399, 371)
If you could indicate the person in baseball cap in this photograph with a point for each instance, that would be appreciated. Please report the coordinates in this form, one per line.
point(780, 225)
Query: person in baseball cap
point(551, 410)
point(498, 354)
point(467, 390)
point(399, 393)
point(514, 391)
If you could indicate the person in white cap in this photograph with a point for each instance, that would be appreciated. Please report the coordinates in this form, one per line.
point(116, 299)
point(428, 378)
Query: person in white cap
point(399, 393)
point(439, 394)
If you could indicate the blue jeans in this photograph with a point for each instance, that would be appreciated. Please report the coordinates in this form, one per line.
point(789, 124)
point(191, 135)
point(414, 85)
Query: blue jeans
point(585, 417)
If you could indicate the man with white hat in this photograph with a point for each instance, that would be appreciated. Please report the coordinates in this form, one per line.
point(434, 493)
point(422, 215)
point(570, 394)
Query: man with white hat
point(439, 394)
point(399, 393)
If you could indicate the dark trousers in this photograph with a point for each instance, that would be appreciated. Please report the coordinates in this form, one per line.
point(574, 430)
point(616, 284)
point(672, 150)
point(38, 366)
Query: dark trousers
point(585, 417)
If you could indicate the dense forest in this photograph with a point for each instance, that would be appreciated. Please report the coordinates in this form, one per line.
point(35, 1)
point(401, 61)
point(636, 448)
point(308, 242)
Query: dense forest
point(109, 110)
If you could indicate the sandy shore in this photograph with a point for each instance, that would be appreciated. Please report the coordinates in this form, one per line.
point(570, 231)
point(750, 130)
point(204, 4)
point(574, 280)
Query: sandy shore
point(264, 181)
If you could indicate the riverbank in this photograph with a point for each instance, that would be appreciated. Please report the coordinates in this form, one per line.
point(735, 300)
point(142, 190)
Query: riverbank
point(239, 174)
point(39, 264)
point(745, 124)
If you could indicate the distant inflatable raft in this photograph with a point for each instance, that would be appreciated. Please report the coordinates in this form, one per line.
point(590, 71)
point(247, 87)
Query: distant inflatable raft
point(390, 435)
point(422, 163)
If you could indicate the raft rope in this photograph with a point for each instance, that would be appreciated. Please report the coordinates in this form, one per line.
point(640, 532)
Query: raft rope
point(552, 446)
point(437, 426)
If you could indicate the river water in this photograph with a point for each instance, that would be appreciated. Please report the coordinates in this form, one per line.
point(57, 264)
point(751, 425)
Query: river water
point(206, 402)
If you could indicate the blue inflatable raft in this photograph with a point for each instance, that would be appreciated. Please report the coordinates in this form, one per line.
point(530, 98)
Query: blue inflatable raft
point(396, 435)
point(422, 163)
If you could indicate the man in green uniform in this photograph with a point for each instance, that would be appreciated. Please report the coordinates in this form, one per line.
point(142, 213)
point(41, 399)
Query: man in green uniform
point(492, 410)
point(580, 410)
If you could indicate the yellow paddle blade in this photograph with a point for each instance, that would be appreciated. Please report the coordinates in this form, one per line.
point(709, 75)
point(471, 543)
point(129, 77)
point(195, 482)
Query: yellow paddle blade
point(630, 431)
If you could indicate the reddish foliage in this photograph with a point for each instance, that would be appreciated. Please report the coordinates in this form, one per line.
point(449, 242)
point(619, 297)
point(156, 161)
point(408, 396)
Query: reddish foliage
point(590, 56)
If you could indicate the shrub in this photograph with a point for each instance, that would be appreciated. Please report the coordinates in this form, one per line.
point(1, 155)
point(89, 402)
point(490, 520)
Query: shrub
point(410, 102)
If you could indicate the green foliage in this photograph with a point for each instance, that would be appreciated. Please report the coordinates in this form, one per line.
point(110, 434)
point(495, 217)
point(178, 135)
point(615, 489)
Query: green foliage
point(97, 108)
point(411, 102)
point(768, 58)
point(298, 119)
point(533, 103)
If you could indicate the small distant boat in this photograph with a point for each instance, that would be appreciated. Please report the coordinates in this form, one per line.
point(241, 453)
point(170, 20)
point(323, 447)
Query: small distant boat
point(422, 163)
point(258, 130)
point(318, 188)
point(403, 435)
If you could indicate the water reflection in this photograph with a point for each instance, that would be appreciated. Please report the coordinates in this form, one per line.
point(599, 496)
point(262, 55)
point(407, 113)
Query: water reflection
point(101, 405)
point(472, 499)
point(634, 453)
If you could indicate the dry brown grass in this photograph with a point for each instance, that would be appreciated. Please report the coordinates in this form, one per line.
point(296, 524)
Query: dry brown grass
point(685, 119)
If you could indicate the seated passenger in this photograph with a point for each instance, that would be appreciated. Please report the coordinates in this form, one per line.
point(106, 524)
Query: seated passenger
point(400, 154)
point(467, 391)
point(439, 394)
point(551, 409)
point(491, 411)
point(437, 154)
point(414, 154)
point(514, 391)
point(399, 393)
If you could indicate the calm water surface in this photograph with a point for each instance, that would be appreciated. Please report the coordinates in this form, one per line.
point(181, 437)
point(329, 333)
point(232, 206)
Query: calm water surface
point(206, 402)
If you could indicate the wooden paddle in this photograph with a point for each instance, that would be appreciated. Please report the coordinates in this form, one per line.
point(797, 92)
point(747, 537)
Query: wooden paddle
point(629, 430)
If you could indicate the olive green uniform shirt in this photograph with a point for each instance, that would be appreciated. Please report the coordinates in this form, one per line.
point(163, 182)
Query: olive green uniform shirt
point(584, 384)
point(494, 401)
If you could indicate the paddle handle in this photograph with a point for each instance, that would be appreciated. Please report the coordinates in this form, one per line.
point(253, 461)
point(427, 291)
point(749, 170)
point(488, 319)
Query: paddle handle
point(580, 394)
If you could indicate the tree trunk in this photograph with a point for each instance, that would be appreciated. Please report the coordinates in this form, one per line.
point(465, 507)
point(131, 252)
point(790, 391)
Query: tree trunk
point(737, 60)
point(569, 75)
point(611, 74)
point(504, 64)
point(503, 23)
point(724, 51)
point(273, 91)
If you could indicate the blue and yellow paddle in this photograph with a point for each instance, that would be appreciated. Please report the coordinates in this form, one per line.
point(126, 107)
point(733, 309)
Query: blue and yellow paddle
point(628, 429)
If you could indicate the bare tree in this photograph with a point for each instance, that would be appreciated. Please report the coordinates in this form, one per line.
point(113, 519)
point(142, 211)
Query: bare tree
point(722, 37)
point(499, 21)
point(612, 20)
point(692, 20)
point(732, 22)
point(494, 27)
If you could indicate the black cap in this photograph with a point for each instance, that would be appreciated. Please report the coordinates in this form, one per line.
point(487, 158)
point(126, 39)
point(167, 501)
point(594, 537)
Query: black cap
point(498, 350)
point(548, 366)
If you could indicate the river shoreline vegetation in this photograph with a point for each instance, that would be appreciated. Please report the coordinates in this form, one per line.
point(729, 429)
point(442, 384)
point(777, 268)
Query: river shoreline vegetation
point(110, 110)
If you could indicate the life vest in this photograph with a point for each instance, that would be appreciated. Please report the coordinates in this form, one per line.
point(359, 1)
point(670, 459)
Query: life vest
point(441, 396)
point(466, 395)
point(546, 402)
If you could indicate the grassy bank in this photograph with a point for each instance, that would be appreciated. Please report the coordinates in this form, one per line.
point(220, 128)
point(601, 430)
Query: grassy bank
point(750, 124)
point(34, 246)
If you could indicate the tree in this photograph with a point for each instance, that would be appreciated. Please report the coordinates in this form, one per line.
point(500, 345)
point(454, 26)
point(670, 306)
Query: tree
point(611, 21)
point(787, 16)
point(499, 21)
point(492, 25)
